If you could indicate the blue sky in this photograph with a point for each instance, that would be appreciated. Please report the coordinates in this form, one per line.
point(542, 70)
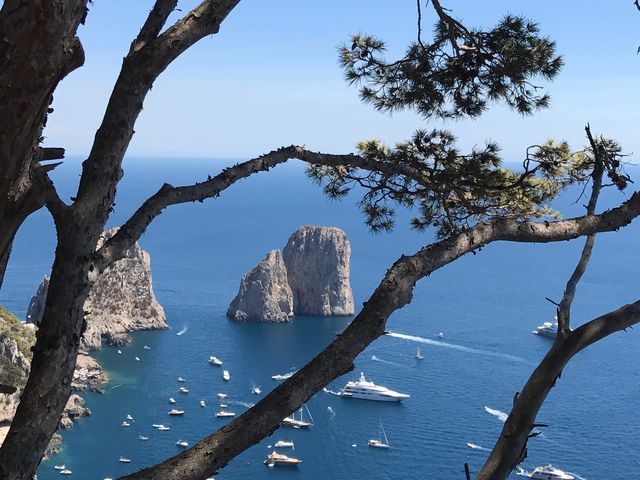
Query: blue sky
point(271, 78)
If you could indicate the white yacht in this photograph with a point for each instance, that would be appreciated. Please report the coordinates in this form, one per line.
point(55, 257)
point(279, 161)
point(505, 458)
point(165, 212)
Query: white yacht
point(183, 390)
point(182, 443)
point(66, 471)
point(125, 424)
point(275, 458)
point(226, 375)
point(162, 428)
point(215, 361)
point(547, 329)
point(549, 473)
point(300, 422)
point(284, 444)
point(124, 460)
point(157, 425)
point(366, 390)
point(381, 441)
point(256, 390)
point(225, 414)
point(172, 400)
point(176, 412)
point(60, 467)
point(221, 395)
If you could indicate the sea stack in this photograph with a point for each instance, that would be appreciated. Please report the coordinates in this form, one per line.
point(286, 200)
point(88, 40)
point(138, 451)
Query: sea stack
point(265, 295)
point(317, 261)
point(310, 277)
point(121, 300)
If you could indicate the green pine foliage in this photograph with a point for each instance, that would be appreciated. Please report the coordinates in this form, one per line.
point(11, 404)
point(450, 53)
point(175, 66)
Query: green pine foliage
point(12, 328)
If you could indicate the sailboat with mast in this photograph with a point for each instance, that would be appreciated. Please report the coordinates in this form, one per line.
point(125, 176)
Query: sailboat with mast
point(419, 355)
point(381, 441)
point(299, 422)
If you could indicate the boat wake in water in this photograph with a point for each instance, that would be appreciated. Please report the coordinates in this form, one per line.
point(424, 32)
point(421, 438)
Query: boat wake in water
point(331, 412)
point(378, 359)
point(477, 447)
point(452, 346)
point(326, 390)
point(240, 403)
point(496, 413)
point(181, 332)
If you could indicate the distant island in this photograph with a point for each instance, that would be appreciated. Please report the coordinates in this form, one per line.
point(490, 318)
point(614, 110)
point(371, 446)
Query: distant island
point(309, 277)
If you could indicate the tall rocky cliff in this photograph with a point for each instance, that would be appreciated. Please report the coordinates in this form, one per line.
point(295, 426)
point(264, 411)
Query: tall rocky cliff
point(311, 277)
point(121, 300)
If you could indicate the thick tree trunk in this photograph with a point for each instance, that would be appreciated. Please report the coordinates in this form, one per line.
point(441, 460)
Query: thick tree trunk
point(54, 360)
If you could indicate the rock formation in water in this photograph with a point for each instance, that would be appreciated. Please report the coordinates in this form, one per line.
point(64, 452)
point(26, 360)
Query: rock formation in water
point(265, 295)
point(311, 277)
point(317, 261)
point(121, 300)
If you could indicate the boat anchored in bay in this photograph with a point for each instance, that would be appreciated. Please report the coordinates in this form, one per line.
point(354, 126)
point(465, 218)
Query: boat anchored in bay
point(277, 459)
point(366, 390)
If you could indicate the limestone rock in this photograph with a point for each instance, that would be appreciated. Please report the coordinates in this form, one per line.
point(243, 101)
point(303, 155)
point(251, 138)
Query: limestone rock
point(14, 370)
point(121, 300)
point(317, 261)
point(265, 295)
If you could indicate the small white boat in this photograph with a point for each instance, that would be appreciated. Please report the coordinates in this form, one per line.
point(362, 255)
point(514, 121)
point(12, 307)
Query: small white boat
point(225, 414)
point(221, 395)
point(440, 335)
point(129, 417)
point(137, 359)
point(202, 404)
point(66, 471)
point(60, 467)
point(282, 377)
point(381, 441)
point(224, 405)
point(143, 438)
point(172, 400)
point(215, 361)
point(162, 428)
point(284, 444)
point(183, 390)
point(275, 458)
point(256, 390)
point(225, 375)
point(157, 425)
point(181, 332)
point(182, 443)
point(119, 352)
point(549, 473)
point(547, 329)
point(181, 380)
point(125, 424)
point(124, 460)
point(419, 355)
point(147, 347)
point(176, 412)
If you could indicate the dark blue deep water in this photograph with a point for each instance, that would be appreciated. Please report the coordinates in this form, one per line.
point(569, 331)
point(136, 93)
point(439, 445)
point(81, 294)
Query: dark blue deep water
point(486, 306)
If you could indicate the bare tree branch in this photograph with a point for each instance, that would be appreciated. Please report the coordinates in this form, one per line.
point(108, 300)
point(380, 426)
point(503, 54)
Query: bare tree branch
point(393, 292)
point(521, 420)
point(564, 309)
point(154, 23)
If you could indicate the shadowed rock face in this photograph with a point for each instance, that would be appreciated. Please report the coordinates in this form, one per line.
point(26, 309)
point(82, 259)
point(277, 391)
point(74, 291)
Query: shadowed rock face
point(265, 295)
point(121, 300)
point(310, 277)
point(317, 261)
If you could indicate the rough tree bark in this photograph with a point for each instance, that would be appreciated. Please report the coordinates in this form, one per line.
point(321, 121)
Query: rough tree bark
point(38, 48)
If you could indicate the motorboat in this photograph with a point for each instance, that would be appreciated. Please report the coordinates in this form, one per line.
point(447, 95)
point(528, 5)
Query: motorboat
point(125, 424)
point(163, 428)
point(183, 390)
point(221, 395)
point(366, 390)
point(277, 459)
point(157, 425)
point(300, 422)
point(549, 473)
point(282, 377)
point(182, 443)
point(284, 444)
point(225, 414)
point(124, 460)
point(66, 471)
point(172, 400)
point(143, 438)
point(129, 417)
point(215, 361)
point(181, 380)
point(225, 375)
point(381, 441)
point(59, 467)
point(147, 347)
point(419, 355)
point(202, 404)
point(224, 405)
point(547, 329)
point(176, 412)
point(119, 352)
point(137, 359)
point(256, 390)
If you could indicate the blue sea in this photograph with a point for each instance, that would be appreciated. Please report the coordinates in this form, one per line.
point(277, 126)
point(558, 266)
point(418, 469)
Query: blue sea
point(485, 305)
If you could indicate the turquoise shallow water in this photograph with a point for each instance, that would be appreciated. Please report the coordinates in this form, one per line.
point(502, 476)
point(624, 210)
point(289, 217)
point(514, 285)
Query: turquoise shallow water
point(486, 306)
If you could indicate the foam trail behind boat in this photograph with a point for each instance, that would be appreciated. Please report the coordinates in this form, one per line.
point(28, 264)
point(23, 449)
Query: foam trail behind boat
point(452, 346)
point(477, 447)
point(378, 359)
point(497, 413)
point(238, 402)
point(183, 331)
point(326, 390)
point(331, 412)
